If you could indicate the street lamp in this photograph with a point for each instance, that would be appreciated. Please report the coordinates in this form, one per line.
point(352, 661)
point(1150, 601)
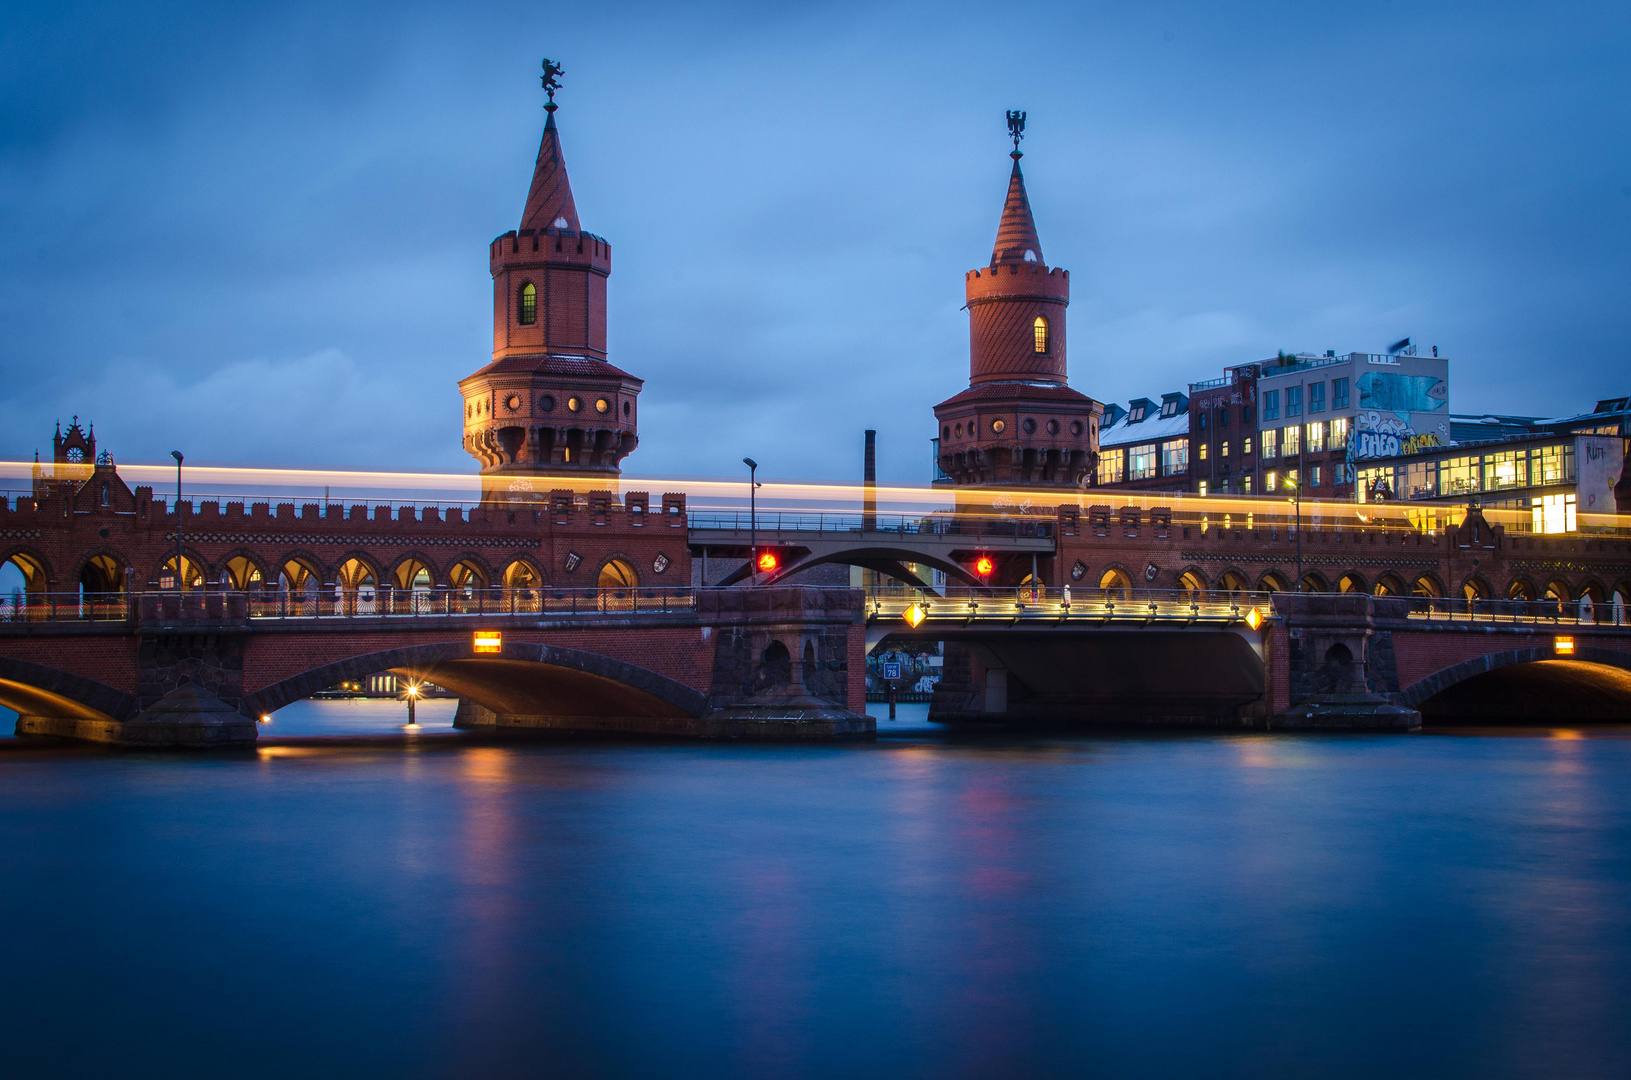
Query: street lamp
point(753, 513)
point(177, 455)
point(1296, 485)
point(412, 694)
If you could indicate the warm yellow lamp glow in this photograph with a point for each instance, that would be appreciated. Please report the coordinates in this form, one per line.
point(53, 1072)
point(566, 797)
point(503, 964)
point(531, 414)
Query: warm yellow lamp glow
point(915, 615)
point(1253, 619)
point(489, 641)
point(1564, 646)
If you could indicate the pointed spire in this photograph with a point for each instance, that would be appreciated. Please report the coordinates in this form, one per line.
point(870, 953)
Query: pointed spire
point(549, 202)
point(1017, 241)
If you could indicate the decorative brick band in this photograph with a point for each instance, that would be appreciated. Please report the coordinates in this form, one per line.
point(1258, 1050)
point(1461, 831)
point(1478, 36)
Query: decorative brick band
point(351, 540)
point(1308, 560)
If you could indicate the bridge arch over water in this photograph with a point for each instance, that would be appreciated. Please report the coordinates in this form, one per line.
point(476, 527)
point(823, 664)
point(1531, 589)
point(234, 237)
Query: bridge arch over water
point(525, 679)
point(1527, 686)
point(31, 689)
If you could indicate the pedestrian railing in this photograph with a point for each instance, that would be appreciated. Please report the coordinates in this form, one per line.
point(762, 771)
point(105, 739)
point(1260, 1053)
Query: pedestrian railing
point(1537, 612)
point(1044, 604)
point(770, 522)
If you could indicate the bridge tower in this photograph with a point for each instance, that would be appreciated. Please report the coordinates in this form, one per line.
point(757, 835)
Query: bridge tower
point(549, 406)
point(1019, 424)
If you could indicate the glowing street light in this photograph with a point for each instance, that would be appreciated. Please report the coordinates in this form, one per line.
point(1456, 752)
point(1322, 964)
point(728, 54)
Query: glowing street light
point(915, 615)
point(411, 693)
point(1295, 483)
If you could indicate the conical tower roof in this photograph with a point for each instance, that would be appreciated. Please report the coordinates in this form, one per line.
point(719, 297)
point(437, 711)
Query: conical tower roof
point(549, 201)
point(1017, 241)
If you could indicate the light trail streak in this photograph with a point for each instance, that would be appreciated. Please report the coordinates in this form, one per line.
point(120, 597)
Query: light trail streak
point(729, 495)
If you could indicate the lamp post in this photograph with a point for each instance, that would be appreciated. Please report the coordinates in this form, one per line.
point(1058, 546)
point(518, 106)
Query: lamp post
point(413, 696)
point(753, 515)
point(1296, 486)
point(177, 455)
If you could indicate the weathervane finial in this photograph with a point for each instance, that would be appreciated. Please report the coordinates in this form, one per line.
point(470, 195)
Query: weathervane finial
point(1016, 129)
point(552, 82)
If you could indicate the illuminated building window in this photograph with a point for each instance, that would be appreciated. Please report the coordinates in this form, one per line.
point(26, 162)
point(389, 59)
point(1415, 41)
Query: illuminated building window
point(1141, 462)
point(1039, 328)
point(1111, 466)
point(1246, 445)
point(529, 304)
point(1553, 513)
point(1202, 453)
point(1202, 486)
point(1246, 486)
point(1316, 436)
point(1291, 441)
point(1174, 457)
point(1271, 443)
point(1338, 437)
point(1223, 448)
point(1271, 481)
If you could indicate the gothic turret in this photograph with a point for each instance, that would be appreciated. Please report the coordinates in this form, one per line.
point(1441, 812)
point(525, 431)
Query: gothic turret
point(1018, 424)
point(549, 405)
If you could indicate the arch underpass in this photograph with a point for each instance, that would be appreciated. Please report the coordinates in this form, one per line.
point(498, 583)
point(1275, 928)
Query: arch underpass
point(1095, 675)
point(1528, 687)
point(525, 680)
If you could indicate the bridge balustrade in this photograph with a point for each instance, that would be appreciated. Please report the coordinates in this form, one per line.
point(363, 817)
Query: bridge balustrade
point(776, 521)
point(1537, 612)
point(1067, 603)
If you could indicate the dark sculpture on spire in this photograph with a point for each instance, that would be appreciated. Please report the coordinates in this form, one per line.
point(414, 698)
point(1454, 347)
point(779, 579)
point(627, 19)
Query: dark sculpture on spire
point(552, 82)
point(1016, 130)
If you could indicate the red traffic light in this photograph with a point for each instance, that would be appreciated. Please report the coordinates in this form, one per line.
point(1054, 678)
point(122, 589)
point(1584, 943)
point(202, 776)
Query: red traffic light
point(768, 561)
point(983, 566)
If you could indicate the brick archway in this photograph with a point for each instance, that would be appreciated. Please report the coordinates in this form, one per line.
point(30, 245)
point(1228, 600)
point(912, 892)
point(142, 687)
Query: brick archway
point(1416, 694)
point(513, 681)
point(30, 689)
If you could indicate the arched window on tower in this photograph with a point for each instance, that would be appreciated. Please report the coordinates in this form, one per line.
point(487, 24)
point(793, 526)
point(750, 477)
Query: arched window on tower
point(529, 304)
point(1040, 327)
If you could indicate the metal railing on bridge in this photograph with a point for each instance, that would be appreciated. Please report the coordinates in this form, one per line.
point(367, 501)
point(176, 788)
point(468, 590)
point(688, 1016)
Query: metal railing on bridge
point(1521, 612)
point(975, 527)
point(1052, 605)
point(333, 603)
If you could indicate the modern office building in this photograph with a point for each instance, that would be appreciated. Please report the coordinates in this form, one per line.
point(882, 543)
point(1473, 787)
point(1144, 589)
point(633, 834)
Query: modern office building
point(1320, 418)
point(1549, 471)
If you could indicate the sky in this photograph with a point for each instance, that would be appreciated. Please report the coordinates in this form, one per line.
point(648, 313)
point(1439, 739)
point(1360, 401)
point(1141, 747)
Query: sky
point(258, 233)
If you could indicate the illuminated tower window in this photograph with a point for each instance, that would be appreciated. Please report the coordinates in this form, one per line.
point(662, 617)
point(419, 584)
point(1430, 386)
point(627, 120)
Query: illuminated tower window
point(1040, 327)
point(529, 304)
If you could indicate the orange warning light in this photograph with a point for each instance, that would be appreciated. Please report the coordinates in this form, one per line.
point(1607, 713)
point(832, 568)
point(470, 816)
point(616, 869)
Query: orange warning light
point(489, 641)
point(983, 566)
point(768, 560)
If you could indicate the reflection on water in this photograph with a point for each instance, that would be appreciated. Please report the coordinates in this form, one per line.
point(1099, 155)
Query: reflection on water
point(923, 906)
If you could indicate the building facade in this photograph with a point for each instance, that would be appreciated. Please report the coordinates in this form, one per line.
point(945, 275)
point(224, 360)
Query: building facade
point(1553, 477)
point(1146, 446)
point(1223, 433)
point(1319, 417)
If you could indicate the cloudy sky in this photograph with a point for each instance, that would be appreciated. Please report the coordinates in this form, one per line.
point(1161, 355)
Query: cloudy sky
point(259, 232)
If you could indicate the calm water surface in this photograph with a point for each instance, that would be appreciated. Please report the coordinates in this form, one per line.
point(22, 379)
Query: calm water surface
point(926, 906)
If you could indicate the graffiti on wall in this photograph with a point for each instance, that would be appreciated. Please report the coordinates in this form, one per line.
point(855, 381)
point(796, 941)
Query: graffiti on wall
point(1387, 391)
point(1379, 434)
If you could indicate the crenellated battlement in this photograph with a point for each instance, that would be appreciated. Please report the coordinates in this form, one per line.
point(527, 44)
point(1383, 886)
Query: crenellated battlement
point(538, 247)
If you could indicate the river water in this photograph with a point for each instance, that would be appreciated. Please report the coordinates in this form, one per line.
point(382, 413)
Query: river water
point(925, 906)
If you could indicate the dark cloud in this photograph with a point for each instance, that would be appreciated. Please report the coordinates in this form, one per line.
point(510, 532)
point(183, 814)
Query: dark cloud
point(260, 234)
